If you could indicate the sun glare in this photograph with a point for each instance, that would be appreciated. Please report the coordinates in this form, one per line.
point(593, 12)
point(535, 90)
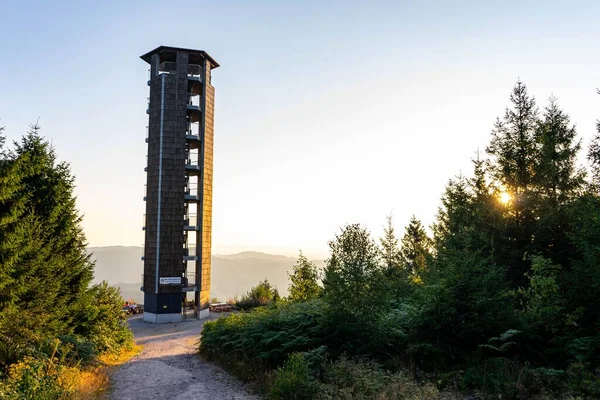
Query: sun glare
point(505, 198)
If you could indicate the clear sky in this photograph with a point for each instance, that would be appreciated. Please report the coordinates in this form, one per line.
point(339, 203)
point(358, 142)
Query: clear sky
point(327, 112)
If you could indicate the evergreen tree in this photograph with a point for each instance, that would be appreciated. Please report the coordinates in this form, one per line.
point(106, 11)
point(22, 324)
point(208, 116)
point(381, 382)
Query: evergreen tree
point(44, 267)
point(415, 248)
point(558, 180)
point(594, 156)
point(304, 284)
point(395, 271)
point(487, 212)
point(557, 177)
point(514, 157)
point(390, 252)
point(454, 220)
point(513, 145)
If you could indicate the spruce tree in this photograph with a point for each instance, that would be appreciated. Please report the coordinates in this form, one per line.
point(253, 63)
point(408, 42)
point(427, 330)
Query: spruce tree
point(415, 248)
point(593, 156)
point(558, 181)
point(390, 252)
point(514, 156)
point(454, 220)
point(557, 177)
point(44, 266)
point(487, 211)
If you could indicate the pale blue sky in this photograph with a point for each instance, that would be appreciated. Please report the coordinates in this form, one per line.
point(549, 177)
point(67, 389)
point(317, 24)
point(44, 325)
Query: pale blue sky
point(327, 112)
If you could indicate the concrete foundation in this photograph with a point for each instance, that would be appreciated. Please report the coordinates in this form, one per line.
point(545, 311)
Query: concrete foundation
point(203, 313)
point(162, 318)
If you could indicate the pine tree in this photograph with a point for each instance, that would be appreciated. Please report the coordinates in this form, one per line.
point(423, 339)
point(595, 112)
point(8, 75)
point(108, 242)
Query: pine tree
point(304, 284)
point(415, 248)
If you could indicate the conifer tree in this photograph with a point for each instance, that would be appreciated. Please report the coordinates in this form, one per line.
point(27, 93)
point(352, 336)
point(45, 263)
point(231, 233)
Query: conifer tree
point(557, 177)
point(390, 252)
point(415, 248)
point(593, 156)
point(558, 180)
point(44, 267)
point(514, 155)
point(513, 145)
point(454, 219)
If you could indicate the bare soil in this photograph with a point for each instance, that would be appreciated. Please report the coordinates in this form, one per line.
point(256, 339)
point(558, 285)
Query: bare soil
point(169, 367)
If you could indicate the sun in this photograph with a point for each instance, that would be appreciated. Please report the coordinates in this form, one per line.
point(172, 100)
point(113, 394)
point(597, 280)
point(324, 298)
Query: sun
point(505, 197)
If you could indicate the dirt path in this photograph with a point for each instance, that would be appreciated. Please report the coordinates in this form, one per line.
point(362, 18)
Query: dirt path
point(169, 368)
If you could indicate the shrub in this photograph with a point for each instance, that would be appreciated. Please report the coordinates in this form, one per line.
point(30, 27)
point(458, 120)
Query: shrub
point(36, 379)
point(583, 382)
point(293, 381)
point(260, 295)
point(349, 379)
point(268, 335)
point(103, 322)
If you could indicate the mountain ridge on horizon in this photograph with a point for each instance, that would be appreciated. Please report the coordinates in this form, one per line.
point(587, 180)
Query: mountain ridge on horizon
point(232, 274)
point(310, 255)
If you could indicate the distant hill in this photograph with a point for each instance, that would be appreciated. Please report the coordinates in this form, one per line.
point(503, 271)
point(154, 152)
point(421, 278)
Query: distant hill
point(117, 264)
point(232, 274)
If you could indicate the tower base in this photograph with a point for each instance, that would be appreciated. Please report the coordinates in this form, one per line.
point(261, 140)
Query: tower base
point(203, 313)
point(162, 318)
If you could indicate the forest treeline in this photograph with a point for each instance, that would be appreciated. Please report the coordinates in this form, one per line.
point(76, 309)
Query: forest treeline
point(53, 322)
point(500, 300)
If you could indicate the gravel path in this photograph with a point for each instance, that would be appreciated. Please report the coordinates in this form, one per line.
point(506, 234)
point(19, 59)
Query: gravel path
point(169, 368)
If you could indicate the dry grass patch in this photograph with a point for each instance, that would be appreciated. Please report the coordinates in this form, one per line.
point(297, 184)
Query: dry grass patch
point(94, 382)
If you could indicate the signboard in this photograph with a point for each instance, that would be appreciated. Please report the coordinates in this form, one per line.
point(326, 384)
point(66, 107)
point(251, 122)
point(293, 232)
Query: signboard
point(174, 280)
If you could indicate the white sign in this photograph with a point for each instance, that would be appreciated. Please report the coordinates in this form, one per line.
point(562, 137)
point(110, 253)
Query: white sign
point(175, 280)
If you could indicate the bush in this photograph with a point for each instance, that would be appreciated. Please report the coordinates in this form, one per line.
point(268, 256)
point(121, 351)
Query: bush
point(268, 335)
point(583, 382)
point(361, 379)
point(348, 379)
point(260, 295)
point(36, 379)
point(102, 321)
point(293, 381)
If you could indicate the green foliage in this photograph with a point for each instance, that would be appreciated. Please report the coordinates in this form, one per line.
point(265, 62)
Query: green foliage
point(355, 291)
point(293, 381)
point(391, 255)
point(102, 321)
point(50, 319)
point(415, 248)
point(593, 156)
point(542, 297)
point(584, 382)
point(260, 295)
point(394, 269)
point(304, 281)
point(465, 303)
point(361, 379)
point(268, 335)
point(502, 302)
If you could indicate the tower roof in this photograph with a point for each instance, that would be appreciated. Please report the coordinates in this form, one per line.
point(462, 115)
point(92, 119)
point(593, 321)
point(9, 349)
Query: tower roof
point(168, 53)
